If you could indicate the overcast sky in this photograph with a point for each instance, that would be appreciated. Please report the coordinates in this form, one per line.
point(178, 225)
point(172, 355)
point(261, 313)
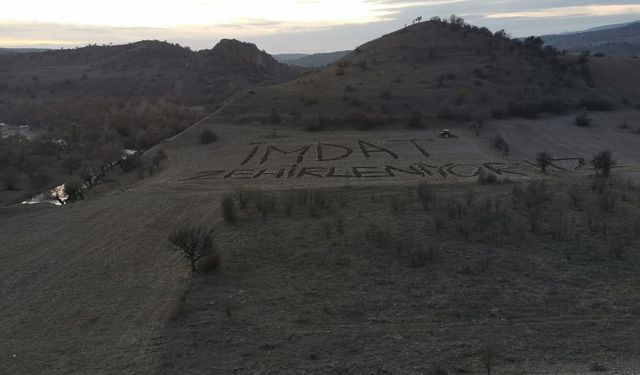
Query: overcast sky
point(280, 26)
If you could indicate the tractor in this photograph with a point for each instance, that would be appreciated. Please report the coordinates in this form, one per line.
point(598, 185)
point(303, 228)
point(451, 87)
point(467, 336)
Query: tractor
point(445, 133)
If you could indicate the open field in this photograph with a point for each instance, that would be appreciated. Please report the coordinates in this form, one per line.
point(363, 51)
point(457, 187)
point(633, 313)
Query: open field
point(362, 283)
point(363, 242)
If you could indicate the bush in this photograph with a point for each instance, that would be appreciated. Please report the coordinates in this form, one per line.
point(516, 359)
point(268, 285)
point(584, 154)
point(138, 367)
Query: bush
point(582, 121)
point(244, 196)
point(72, 162)
point(415, 120)
point(364, 121)
point(533, 109)
point(485, 178)
point(544, 159)
point(274, 116)
point(595, 104)
point(426, 195)
point(130, 163)
point(228, 209)
point(207, 136)
point(41, 179)
point(193, 242)
point(9, 178)
point(421, 257)
point(602, 163)
point(500, 144)
point(158, 157)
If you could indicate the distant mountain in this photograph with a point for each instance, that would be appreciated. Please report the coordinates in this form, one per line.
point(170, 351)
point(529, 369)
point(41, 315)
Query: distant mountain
point(612, 40)
point(284, 57)
point(317, 59)
point(609, 27)
point(13, 51)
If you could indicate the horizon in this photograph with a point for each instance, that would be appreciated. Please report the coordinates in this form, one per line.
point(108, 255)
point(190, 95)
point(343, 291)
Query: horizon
point(284, 26)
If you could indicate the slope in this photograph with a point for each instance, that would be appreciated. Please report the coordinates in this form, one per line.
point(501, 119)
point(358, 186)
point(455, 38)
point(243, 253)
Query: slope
point(431, 70)
point(614, 41)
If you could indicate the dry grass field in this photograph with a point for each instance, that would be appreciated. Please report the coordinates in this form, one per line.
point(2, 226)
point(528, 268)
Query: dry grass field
point(337, 274)
point(389, 250)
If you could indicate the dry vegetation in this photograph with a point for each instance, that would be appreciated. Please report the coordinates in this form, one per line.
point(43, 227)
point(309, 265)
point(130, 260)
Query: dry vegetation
point(530, 266)
point(453, 278)
point(95, 101)
point(443, 70)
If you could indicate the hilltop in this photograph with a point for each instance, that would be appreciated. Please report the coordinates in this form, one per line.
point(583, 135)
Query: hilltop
point(147, 68)
point(447, 72)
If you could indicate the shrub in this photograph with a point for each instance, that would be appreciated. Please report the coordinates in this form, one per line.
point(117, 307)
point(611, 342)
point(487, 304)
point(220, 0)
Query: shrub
point(595, 104)
point(449, 113)
point(207, 136)
point(363, 120)
point(426, 194)
point(72, 162)
point(158, 157)
point(131, 162)
point(274, 116)
point(9, 178)
point(582, 120)
point(598, 367)
point(421, 257)
point(380, 236)
point(485, 178)
point(544, 159)
point(311, 102)
point(40, 179)
point(193, 243)
point(415, 120)
point(340, 224)
point(228, 209)
point(362, 64)
point(500, 144)
point(603, 163)
point(244, 196)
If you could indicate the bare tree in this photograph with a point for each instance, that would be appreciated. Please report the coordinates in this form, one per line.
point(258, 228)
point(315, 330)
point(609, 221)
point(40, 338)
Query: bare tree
point(193, 242)
point(544, 159)
point(603, 163)
point(488, 359)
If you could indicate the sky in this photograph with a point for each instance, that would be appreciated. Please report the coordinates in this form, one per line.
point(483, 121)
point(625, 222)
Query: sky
point(282, 26)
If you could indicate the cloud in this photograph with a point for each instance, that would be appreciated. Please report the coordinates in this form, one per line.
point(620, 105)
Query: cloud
point(572, 11)
point(283, 25)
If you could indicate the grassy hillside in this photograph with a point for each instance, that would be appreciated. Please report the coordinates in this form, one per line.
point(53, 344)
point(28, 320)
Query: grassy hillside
point(623, 40)
point(95, 101)
point(434, 71)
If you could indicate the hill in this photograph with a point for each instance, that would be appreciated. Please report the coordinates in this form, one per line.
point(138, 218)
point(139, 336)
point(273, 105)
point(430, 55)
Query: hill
point(284, 57)
point(316, 60)
point(608, 27)
point(13, 51)
point(374, 251)
point(436, 71)
point(90, 103)
point(614, 40)
point(146, 68)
